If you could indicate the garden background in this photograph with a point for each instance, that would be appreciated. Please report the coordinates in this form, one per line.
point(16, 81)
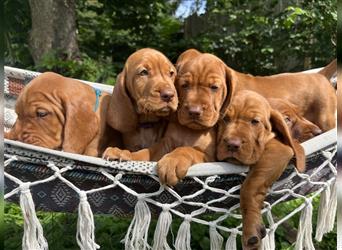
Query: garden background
point(91, 39)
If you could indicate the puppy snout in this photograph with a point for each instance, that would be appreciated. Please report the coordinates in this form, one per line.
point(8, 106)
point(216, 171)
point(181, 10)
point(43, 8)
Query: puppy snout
point(233, 144)
point(316, 131)
point(167, 95)
point(195, 111)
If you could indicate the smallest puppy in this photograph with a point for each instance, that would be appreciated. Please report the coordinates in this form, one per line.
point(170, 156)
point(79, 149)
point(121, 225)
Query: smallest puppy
point(57, 112)
point(252, 133)
point(301, 128)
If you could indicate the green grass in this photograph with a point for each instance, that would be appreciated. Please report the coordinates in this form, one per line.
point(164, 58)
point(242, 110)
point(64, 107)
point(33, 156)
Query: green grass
point(60, 229)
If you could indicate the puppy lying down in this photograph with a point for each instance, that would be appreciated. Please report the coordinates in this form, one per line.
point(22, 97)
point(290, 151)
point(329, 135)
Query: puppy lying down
point(252, 133)
point(57, 112)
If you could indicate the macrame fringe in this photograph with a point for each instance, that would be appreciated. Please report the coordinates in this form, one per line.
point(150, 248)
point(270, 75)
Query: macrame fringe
point(216, 240)
point(231, 242)
point(322, 213)
point(183, 238)
point(331, 214)
point(304, 238)
point(162, 229)
point(85, 234)
point(268, 243)
point(137, 233)
point(33, 237)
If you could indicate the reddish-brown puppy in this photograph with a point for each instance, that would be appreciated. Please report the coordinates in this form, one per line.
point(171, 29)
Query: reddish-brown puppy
point(252, 133)
point(301, 128)
point(57, 112)
point(143, 99)
point(190, 138)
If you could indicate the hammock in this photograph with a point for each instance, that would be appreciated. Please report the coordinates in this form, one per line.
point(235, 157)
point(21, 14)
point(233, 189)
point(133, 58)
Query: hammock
point(42, 179)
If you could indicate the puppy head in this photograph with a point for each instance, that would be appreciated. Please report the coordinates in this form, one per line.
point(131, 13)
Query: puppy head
point(301, 129)
point(57, 113)
point(144, 87)
point(204, 85)
point(247, 125)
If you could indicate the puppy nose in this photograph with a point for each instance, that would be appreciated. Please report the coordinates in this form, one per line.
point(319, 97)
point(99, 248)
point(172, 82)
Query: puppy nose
point(233, 144)
point(167, 94)
point(195, 111)
point(317, 131)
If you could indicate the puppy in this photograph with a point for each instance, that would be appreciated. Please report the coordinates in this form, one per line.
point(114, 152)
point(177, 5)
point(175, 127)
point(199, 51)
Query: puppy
point(62, 113)
point(190, 137)
point(252, 133)
point(301, 128)
point(143, 99)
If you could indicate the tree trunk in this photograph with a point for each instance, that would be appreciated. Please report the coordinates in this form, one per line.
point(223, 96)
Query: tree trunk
point(53, 29)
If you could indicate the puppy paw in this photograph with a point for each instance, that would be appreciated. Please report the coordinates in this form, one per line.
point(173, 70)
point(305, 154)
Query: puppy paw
point(252, 236)
point(116, 154)
point(172, 168)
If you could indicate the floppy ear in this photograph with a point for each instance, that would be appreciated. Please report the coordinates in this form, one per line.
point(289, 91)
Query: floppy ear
point(81, 123)
point(279, 125)
point(121, 114)
point(231, 81)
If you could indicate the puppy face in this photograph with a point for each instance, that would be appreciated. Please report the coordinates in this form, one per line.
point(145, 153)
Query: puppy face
point(150, 82)
point(244, 129)
point(39, 122)
point(55, 112)
point(301, 128)
point(202, 88)
point(144, 87)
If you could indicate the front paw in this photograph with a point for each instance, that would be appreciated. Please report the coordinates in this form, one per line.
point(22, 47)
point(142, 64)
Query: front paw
point(252, 236)
point(173, 168)
point(116, 154)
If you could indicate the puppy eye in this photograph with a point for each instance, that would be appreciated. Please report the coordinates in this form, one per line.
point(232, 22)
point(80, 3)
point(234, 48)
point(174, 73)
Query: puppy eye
point(287, 119)
point(41, 114)
point(255, 122)
point(185, 86)
point(226, 119)
point(214, 87)
point(144, 72)
point(172, 73)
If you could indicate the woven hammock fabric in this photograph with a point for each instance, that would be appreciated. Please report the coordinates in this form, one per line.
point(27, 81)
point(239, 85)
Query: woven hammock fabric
point(50, 180)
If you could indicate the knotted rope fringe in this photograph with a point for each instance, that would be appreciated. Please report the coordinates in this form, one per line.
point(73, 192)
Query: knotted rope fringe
point(231, 241)
point(85, 225)
point(216, 240)
point(331, 214)
point(33, 237)
point(183, 238)
point(162, 229)
point(137, 233)
point(304, 238)
point(322, 213)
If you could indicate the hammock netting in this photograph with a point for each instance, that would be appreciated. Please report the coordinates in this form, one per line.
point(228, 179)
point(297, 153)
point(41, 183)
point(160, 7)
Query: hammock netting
point(42, 179)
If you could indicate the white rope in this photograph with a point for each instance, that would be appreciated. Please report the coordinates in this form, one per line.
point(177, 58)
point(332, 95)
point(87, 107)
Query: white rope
point(304, 236)
point(33, 237)
point(162, 229)
point(231, 241)
point(183, 238)
point(85, 225)
point(137, 233)
point(216, 240)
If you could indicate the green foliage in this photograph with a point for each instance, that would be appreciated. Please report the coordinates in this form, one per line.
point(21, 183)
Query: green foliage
point(258, 37)
point(263, 38)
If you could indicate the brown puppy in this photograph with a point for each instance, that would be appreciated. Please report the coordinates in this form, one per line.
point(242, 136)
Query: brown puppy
point(143, 99)
point(191, 136)
point(311, 92)
point(252, 133)
point(301, 129)
point(59, 113)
